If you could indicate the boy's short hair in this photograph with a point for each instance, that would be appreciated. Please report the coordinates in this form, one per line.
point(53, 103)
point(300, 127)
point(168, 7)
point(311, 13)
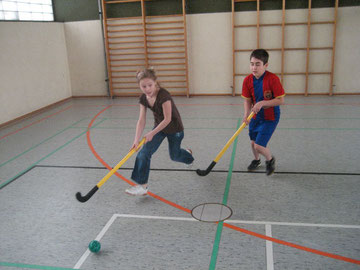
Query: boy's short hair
point(260, 54)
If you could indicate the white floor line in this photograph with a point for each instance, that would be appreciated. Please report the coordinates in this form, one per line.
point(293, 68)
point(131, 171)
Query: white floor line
point(156, 217)
point(98, 238)
point(247, 221)
point(269, 249)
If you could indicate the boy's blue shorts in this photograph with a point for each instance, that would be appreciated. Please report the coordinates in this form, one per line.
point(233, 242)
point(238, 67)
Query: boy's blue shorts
point(260, 130)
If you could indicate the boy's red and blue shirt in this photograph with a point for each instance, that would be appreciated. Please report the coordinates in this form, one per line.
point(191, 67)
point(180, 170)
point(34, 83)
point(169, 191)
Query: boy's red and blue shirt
point(267, 87)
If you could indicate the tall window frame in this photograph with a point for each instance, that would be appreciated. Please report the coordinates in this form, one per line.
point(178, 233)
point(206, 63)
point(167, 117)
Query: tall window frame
point(26, 10)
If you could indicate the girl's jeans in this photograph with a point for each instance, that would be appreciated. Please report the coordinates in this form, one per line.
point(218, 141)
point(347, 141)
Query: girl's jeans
point(141, 170)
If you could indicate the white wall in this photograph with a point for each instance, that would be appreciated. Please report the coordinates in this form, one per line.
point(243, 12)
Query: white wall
point(34, 69)
point(210, 51)
point(43, 63)
point(347, 57)
point(86, 58)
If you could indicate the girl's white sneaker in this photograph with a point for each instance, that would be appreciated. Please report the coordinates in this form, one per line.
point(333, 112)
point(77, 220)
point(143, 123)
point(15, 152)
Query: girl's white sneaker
point(137, 190)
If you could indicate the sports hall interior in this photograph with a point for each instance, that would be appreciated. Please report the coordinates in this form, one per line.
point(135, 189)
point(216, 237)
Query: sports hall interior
point(69, 104)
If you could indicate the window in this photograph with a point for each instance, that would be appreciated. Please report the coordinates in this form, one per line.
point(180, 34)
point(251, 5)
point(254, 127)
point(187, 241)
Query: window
point(26, 10)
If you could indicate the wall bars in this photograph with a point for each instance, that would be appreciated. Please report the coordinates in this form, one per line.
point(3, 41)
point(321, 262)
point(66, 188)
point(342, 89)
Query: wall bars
point(133, 43)
point(307, 64)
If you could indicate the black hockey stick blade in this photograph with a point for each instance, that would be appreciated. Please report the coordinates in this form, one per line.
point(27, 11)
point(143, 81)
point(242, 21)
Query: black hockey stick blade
point(85, 198)
point(207, 171)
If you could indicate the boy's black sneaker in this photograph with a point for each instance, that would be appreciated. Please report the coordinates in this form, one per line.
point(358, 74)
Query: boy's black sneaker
point(270, 166)
point(254, 164)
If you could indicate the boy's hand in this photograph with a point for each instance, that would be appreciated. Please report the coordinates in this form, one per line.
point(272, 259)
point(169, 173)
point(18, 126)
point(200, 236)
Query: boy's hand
point(257, 107)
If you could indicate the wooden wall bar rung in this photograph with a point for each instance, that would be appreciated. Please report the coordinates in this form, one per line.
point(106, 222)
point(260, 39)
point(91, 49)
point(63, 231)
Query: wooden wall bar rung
point(125, 42)
point(168, 52)
point(126, 87)
point(127, 65)
point(171, 75)
point(164, 40)
point(125, 48)
point(165, 46)
point(288, 49)
point(172, 81)
point(125, 30)
point(131, 83)
point(279, 24)
point(123, 76)
point(178, 86)
point(167, 64)
point(117, 54)
point(121, 1)
point(127, 59)
point(165, 58)
point(167, 34)
point(165, 16)
point(122, 19)
point(164, 28)
point(238, 1)
point(127, 70)
point(126, 36)
point(171, 69)
point(164, 22)
point(123, 24)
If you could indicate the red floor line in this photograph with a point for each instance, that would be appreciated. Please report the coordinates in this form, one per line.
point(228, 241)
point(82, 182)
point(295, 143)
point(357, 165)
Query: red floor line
point(314, 251)
point(38, 121)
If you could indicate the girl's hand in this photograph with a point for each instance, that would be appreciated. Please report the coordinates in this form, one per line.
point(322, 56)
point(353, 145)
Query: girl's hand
point(245, 120)
point(135, 145)
point(148, 137)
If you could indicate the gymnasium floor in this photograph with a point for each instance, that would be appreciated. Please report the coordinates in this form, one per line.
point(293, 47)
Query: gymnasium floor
point(305, 216)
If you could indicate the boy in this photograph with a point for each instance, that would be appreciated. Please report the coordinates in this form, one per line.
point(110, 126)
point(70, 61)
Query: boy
point(263, 95)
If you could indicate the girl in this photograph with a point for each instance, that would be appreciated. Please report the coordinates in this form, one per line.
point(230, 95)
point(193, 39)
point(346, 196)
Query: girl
point(167, 124)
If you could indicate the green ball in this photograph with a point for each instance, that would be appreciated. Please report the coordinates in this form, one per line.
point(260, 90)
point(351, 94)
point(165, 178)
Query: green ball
point(94, 246)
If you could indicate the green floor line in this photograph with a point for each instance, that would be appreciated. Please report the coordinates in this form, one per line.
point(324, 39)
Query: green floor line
point(57, 149)
point(33, 147)
point(215, 251)
point(33, 266)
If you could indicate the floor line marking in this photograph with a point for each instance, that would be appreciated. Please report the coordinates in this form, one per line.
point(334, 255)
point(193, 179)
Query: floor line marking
point(269, 249)
point(220, 225)
point(98, 238)
point(294, 224)
point(261, 236)
point(244, 221)
point(156, 217)
point(32, 266)
point(34, 146)
point(38, 121)
point(192, 170)
point(43, 158)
